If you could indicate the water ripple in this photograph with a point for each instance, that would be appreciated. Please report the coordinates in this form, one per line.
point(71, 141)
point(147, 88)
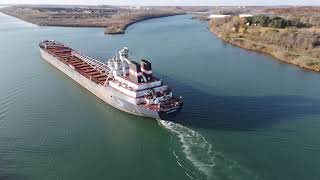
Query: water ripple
point(7, 101)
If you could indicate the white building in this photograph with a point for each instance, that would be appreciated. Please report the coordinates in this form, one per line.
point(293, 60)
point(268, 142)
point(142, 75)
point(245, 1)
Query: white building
point(212, 16)
point(245, 15)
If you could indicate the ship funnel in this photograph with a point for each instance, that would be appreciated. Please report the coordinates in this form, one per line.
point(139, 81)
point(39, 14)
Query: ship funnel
point(146, 69)
point(135, 74)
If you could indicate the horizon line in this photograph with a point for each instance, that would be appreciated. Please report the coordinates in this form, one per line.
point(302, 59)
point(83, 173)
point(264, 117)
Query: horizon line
point(158, 5)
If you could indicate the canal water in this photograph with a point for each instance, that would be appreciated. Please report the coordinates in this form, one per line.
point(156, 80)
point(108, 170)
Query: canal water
point(246, 115)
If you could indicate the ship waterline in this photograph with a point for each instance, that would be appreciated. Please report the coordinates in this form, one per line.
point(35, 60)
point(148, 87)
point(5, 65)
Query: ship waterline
point(105, 87)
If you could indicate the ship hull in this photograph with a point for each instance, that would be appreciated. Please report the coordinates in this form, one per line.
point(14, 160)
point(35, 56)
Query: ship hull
point(106, 93)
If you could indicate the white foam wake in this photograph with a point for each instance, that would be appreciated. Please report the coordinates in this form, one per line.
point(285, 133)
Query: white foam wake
point(194, 146)
point(199, 152)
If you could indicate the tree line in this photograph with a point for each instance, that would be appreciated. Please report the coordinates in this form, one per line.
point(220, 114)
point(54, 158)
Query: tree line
point(274, 22)
point(291, 37)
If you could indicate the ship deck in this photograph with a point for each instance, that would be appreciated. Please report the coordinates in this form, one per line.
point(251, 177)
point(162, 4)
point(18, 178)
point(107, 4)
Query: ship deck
point(63, 54)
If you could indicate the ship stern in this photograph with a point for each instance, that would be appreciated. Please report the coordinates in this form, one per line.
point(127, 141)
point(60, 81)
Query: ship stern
point(170, 114)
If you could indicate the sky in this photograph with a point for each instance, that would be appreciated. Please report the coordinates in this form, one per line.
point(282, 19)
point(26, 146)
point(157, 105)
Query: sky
point(168, 2)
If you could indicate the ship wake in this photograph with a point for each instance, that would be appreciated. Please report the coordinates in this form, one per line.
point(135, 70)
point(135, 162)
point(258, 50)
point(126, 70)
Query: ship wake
point(195, 148)
point(197, 151)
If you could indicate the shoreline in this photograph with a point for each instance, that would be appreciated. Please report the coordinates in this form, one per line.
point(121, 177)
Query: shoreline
point(120, 29)
point(290, 59)
point(124, 26)
point(116, 23)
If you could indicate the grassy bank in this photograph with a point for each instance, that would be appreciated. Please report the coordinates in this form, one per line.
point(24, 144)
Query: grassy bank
point(298, 46)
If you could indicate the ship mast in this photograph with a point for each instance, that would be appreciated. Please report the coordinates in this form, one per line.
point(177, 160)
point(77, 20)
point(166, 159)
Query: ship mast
point(124, 59)
point(124, 55)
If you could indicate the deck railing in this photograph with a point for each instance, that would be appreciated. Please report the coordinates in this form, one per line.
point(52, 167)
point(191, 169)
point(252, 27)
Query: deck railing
point(101, 67)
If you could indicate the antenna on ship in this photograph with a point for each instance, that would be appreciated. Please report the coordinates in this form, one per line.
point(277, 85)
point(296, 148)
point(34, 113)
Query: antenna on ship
point(124, 55)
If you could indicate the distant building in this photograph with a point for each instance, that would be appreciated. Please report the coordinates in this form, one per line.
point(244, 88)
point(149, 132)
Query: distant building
point(212, 16)
point(87, 12)
point(245, 15)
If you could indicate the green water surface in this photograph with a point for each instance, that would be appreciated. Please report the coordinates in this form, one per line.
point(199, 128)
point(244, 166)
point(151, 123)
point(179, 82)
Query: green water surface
point(246, 115)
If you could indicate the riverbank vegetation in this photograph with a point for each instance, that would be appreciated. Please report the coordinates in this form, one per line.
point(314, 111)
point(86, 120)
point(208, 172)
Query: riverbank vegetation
point(308, 15)
point(292, 41)
point(273, 22)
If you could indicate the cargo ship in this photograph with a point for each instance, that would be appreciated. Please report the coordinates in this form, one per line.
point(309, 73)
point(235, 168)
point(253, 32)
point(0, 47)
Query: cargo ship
point(121, 82)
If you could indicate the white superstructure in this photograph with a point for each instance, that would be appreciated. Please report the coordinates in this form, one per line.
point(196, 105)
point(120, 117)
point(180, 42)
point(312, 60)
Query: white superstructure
point(136, 80)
